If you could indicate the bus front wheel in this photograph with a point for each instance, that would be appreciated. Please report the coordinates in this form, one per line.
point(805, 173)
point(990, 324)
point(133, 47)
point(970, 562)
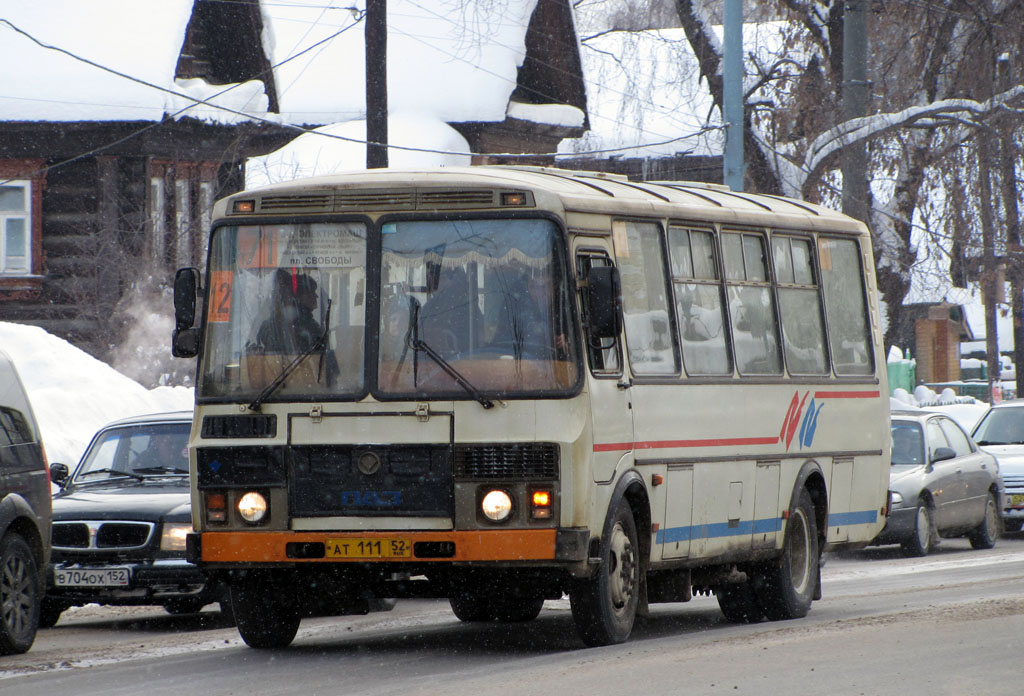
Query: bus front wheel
point(785, 586)
point(604, 606)
point(263, 612)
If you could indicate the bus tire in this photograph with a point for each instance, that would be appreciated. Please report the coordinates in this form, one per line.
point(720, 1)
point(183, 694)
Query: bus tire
point(786, 585)
point(473, 607)
point(739, 602)
point(604, 605)
point(264, 615)
point(986, 534)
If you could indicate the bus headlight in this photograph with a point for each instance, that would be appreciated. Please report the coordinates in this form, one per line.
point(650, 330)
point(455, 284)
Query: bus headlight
point(252, 507)
point(173, 537)
point(496, 505)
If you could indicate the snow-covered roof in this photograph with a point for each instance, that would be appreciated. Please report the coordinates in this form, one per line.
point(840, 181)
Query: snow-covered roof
point(453, 61)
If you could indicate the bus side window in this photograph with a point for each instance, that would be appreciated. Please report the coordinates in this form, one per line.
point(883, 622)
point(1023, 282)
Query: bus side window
point(803, 333)
point(700, 312)
point(755, 334)
point(650, 339)
point(845, 307)
point(603, 354)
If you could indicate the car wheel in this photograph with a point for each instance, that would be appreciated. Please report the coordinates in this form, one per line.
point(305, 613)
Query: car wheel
point(49, 613)
point(985, 534)
point(20, 595)
point(920, 542)
point(604, 606)
point(265, 613)
point(786, 585)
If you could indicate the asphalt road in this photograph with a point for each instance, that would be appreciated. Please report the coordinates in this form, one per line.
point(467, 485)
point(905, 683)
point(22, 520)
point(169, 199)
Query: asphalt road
point(950, 623)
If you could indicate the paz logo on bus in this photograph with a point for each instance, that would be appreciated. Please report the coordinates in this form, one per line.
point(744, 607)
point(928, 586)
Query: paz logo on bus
point(371, 498)
point(807, 425)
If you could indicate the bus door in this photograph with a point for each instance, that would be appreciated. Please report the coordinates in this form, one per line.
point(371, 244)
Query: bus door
point(610, 406)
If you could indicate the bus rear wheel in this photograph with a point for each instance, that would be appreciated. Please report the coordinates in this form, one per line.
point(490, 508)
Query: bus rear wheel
point(785, 586)
point(739, 602)
point(264, 614)
point(473, 607)
point(604, 606)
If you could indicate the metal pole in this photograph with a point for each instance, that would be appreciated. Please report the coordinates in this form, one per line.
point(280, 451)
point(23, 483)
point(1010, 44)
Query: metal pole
point(855, 105)
point(376, 38)
point(732, 94)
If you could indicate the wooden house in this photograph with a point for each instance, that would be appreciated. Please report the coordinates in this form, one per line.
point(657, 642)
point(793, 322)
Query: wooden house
point(127, 120)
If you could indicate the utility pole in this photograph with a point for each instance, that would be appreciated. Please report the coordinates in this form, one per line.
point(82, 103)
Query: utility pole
point(855, 105)
point(732, 94)
point(376, 39)
point(1014, 250)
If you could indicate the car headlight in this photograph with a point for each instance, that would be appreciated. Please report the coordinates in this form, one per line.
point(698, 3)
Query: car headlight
point(895, 498)
point(252, 507)
point(173, 537)
point(496, 505)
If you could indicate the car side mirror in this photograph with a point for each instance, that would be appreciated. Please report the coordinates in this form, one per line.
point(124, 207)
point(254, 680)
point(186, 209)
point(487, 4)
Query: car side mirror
point(941, 454)
point(59, 473)
point(604, 302)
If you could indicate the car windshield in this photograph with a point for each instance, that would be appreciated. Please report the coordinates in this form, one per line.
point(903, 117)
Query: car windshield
point(1001, 426)
point(907, 444)
point(136, 452)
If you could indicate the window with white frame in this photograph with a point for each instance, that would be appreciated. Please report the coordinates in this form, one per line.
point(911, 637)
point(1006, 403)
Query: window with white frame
point(15, 227)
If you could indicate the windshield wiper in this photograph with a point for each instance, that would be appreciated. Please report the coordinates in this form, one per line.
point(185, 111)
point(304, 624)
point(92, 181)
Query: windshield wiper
point(113, 472)
point(319, 344)
point(160, 470)
point(418, 345)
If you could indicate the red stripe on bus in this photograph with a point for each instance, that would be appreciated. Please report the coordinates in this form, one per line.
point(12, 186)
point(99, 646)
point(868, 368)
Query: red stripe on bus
point(667, 444)
point(846, 395)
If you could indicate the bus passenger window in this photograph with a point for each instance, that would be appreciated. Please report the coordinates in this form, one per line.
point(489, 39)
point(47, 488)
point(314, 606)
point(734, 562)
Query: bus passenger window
point(754, 332)
point(649, 332)
point(699, 306)
point(803, 335)
point(843, 281)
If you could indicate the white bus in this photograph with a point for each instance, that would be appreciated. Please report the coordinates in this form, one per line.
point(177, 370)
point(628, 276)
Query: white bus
point(501, 385)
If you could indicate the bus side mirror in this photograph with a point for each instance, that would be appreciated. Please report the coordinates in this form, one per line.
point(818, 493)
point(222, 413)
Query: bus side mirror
point(604, 302)
point(186, 288)
point(185, 339)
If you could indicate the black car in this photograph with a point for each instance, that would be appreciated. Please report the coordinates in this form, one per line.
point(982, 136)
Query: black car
point(24, 515)
point(121, 519)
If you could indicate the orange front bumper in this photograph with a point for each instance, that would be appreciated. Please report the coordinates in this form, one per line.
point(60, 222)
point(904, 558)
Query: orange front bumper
point(486, 545)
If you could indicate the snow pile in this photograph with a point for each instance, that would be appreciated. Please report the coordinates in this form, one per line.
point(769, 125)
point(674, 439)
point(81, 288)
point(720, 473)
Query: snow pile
point(965, 410)
point(73, 394)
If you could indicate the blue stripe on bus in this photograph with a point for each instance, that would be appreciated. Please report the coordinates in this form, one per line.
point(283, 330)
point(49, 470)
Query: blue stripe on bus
point(843, 519)
point(672, 535)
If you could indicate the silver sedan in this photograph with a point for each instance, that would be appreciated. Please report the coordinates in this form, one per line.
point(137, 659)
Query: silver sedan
point(941, 485)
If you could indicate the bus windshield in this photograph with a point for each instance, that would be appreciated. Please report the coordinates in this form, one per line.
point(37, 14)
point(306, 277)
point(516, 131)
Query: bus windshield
point(474, 304)
point(277, 292)
point(466, 307)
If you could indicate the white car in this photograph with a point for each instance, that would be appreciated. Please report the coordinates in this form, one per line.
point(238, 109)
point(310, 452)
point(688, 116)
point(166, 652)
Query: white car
point(1001, 433)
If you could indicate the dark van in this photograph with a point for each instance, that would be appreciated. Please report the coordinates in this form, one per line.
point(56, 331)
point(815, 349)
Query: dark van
point(24, 515)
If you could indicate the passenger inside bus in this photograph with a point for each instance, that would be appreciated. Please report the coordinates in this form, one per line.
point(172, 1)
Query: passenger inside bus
point(450, 322)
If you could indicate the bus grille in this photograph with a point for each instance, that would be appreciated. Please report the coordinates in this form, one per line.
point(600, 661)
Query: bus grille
point(374, 200)
point(309, 203)
point(531, 461)
point(456, 199)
